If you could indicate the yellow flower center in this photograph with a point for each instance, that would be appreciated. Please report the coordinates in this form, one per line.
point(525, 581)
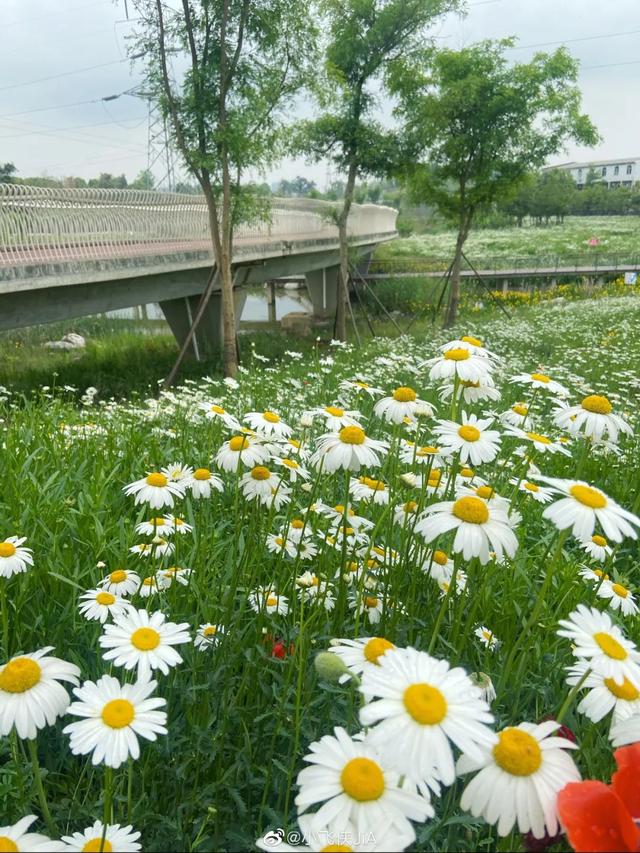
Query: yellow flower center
point(156, 479)
point(520, 409)
point(485, 492)
point(362, 780)
point(260, 473)
point(272, 601)
point(600, 574)
point(279, 541)
point(352, 435)
point(370, 601)
point(410, 506)
point(531, 487)
point(470, 340)
point(118, 576)
point(434, 477)
point(7, 845)
point(97, 844)
point(541, 439)
point(297, 524)
point(105, 598)
point(517, 752)
point(597, 404)
point(375, 648)
point(620, 590)
point(599, 540)
point(588, 496)
point(467, 383)
point(118, 713)
point(425, 704)
point(540, 377)
point(238, 443)
point(7, 549)
point(218, 410)
point(202, 474)
point(336, 848)
point(626, 690)
point(466, 472)
point(376, 485)
point(404, 395)
point(610, 646)
point(362, 384)
point(457, 354)
point(145, 639)
point(294, 443)
point(271, 417)
point(290, 463)
point(20, 675)
point(210, 631)
point(471, 510)
point(468, 433)
point(426, 451)
point(334, 410)
point(440, 558)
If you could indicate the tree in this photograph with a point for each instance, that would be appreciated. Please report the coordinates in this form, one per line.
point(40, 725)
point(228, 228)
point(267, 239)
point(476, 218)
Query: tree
point(244, 59)
point(6, 172)
point(144, 181)
point(553, 195)
point(475, 125)
point(365, 37)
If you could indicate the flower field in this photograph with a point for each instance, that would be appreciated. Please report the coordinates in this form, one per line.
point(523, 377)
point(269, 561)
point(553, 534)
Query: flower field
point(382, 598)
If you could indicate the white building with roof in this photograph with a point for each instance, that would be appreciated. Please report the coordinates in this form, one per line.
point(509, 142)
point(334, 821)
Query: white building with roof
point(612, 173)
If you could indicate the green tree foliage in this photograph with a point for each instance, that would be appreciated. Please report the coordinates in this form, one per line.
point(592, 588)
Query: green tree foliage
point(143, 181)
point(298, 187)
point(476, 125)
point(364, 39)
point(244, 60)
point(7, 170)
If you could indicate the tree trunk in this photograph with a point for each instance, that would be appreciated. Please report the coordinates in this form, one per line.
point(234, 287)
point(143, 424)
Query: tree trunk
point(343, 276)
point(454, 284)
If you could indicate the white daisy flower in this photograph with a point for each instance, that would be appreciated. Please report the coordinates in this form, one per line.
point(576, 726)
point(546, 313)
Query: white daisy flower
point(619, 597)
point(597, 547)
point(626, 731)
point(177, 525)
point(213, 411)
point(359, 654)
point(402, 404)
point(30, 694)
point(114, 716)
point(368, 489)
point(472, 438)
point(538, 493)
point(540, 381)
point(354, 785)
point(604, 695)
point(241, 450)
point(583, 505)
point(595, 638)
point(422, 455)
point(14, 559)
point(16, 838)
point(121, 582)
point(98, 604)
point(422, 708)
point(359, 386)
point(594, 417)
point(312, 589)
point(335, 417)
point(368, 604)
point(336, 514)
point(177, 472)
point(158, 547)
point(405, 513)
point(293, 469)
point(174, 573)
point(516, 415)
point(144, 640)
point(471, 392)
point(156, 489)
point(519, 779)
point(480, 528)
point(276, 544)
point(268, 423)
point(266, 599)
point(541, 443)
point(260, 484)
point(487, 638)
point(208, 636)
point(202, 482)
point(459, 361)
point(472, 344)
point(120, 838)
point(350, 449)
point(594, 575)
point(154, 527)
point(439, 566)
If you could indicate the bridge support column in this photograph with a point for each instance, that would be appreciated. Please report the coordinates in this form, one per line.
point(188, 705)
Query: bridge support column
point(179, 314)
point(323, 290)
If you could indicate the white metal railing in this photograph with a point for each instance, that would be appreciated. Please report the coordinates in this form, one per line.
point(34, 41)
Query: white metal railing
point(41, 225)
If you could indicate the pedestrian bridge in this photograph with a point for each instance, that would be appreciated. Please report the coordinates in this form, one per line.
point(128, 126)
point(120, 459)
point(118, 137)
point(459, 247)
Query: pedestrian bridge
point(70, 252)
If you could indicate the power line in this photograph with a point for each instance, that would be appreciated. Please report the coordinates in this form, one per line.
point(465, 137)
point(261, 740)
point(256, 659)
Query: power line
point(74, 104)
point(58, 130)
point(65, 74)
point(572, 41)
point(611, 64)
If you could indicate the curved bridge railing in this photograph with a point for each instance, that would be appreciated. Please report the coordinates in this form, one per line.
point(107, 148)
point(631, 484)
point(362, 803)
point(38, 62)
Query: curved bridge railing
point(40, 225)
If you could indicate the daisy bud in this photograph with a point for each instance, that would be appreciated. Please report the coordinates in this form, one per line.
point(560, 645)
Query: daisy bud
point(330, 667)
point(483, 681)
point(306, 421)
point(423, 410)
point(408, 479)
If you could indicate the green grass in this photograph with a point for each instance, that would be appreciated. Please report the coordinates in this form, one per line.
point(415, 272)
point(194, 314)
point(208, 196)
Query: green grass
point(618, 235)
point(240, 720)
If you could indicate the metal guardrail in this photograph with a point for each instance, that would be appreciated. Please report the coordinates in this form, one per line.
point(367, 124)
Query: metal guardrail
point(45, 224)
point(550, 264)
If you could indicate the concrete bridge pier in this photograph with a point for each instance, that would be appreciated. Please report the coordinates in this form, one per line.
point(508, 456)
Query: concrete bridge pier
point(179, 314)
point(322, 285)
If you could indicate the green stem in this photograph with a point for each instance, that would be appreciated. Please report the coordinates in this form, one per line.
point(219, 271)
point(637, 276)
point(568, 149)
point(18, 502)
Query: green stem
point(108, 803)
point(5, 618)
point(567, 702)
point(37, 777)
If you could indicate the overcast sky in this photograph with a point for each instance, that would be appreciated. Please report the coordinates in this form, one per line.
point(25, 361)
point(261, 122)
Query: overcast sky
point(44, 129)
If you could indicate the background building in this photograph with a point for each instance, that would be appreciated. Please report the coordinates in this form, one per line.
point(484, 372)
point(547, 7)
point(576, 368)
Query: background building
point(613, 173)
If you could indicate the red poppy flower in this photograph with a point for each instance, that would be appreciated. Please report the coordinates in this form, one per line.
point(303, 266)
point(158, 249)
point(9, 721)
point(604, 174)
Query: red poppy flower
point(279, 650)
point(601, 818)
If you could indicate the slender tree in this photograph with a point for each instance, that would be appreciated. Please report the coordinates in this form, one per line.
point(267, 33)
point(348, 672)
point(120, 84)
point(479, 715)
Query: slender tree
point(221, 70)
point(364, 39)
point(475, 125)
